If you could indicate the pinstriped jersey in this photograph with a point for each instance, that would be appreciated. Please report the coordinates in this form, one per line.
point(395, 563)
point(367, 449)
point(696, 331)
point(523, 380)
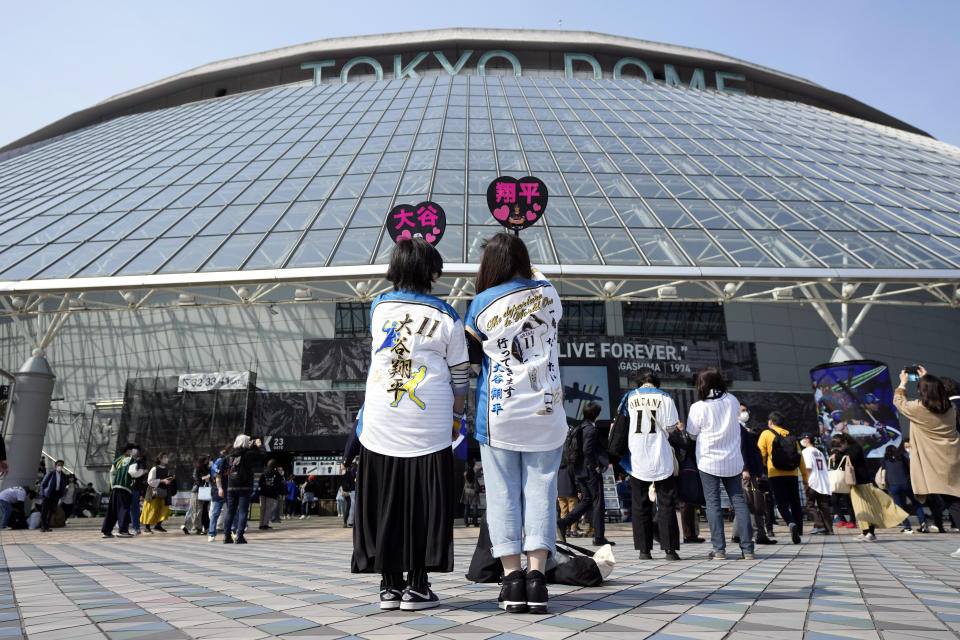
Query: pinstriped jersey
point(716, 424)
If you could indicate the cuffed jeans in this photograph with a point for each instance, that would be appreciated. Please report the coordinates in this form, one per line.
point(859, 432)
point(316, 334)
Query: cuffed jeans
point(734, 488)
point(521, 488)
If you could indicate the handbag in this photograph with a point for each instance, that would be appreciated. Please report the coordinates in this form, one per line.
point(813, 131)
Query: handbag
point(838, 477)
point(881, 478)
point(204, 494)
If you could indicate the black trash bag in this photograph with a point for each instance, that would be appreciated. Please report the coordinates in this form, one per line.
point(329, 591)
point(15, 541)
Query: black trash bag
point(570, 565)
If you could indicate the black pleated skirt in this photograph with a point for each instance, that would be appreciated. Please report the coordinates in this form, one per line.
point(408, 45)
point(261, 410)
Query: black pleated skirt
point(403, 518)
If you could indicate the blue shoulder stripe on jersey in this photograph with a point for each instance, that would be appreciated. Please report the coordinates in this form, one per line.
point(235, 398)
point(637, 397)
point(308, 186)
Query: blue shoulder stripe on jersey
point(623, 402)
point(651, 390)
point(360, 421)
point(414, 296)
point(491, 295)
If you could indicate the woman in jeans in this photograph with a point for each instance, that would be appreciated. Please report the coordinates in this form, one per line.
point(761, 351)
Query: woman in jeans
point(520, 422)
point(713, 421)
point(934, 441)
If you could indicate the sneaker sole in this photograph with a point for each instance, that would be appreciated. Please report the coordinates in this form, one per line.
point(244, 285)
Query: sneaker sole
point(513, 607)
point(390, 605)
point(539, 609)
point(417, 606)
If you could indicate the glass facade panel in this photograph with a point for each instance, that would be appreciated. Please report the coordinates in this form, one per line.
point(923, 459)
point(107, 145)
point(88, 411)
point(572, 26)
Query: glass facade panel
point(305, 177)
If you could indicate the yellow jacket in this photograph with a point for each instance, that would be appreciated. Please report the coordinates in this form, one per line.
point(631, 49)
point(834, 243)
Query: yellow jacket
point(765, 444)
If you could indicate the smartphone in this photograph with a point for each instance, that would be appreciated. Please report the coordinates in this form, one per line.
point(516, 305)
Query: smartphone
point(913, 372)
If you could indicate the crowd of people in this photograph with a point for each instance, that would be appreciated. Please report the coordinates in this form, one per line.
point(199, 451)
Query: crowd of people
point(542, 478)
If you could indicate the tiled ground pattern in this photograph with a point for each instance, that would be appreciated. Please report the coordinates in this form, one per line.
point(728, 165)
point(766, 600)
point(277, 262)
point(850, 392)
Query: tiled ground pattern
point(294, 582)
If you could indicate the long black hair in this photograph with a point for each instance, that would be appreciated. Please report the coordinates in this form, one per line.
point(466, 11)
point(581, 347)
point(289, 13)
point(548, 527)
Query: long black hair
point(504, 257)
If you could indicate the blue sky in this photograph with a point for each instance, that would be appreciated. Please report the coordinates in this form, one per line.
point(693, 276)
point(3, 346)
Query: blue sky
point(64, 56)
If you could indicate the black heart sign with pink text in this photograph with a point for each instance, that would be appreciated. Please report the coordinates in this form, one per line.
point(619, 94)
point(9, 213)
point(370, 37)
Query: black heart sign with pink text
point(426, 220)
point(517, 204)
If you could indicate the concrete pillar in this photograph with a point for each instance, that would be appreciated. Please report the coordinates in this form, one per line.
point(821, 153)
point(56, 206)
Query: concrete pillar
point(26, 422)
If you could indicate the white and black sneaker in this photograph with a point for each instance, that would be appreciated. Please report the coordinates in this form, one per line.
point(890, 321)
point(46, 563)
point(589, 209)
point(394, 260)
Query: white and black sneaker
point(390, 597)
point(536, 586)
point(413, 600)
point(513, 593)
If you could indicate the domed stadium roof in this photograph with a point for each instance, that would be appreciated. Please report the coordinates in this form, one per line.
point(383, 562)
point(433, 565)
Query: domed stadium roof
point(646, 181)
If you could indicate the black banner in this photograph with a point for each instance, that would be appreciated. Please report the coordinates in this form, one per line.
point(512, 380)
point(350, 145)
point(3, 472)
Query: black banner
point(305, 413)
point(335, 359)
point(672, 359)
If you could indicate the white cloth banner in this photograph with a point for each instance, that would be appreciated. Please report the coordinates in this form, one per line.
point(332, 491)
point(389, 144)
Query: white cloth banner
point(211, 381)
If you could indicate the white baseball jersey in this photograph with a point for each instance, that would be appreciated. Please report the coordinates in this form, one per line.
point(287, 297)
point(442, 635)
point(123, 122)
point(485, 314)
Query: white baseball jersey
point(816, 463)
point(408, 402)
point(650, 411)
point(715, 422)
point(519, 393)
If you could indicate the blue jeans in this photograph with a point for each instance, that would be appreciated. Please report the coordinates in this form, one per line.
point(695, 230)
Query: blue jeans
point(235, 518)
point(900, 493)
point(521, 488)
point(135, 510)
point(734, 487)
point(5, 508)
point(216, 506)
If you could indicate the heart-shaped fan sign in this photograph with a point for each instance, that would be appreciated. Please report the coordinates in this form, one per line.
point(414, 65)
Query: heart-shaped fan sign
point(425, 220)
point(517, 204)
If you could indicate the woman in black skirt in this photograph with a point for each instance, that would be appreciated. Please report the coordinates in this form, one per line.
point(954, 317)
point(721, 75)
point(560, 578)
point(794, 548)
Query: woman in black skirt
point(413, 410)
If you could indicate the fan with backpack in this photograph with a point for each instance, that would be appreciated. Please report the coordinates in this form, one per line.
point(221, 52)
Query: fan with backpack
point(784, 451)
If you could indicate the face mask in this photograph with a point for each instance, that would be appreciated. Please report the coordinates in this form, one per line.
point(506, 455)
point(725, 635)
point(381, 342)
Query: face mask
point(744, 416)
point(134, 452)
point(59, 468)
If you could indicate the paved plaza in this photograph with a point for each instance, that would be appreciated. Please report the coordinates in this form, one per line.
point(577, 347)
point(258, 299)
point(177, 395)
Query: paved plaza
point(295, 582)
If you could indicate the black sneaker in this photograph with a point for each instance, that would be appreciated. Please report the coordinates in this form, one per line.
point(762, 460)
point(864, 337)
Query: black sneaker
point(413, 600)
point(794, 533)
point(645, 555)
point(389, 597)
point(599, 542)
point(765, 540)
point(227, 538)
point(513, 593)
point(694, 540)
point(125, 534)
point(672, 555)
point(536, 592)
point(241, 539)
point(106, 535)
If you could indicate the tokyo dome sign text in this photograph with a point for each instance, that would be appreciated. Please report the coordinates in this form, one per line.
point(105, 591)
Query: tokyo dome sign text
point(407, 68)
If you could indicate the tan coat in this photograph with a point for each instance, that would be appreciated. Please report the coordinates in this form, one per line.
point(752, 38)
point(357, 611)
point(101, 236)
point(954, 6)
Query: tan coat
point(934, 447)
